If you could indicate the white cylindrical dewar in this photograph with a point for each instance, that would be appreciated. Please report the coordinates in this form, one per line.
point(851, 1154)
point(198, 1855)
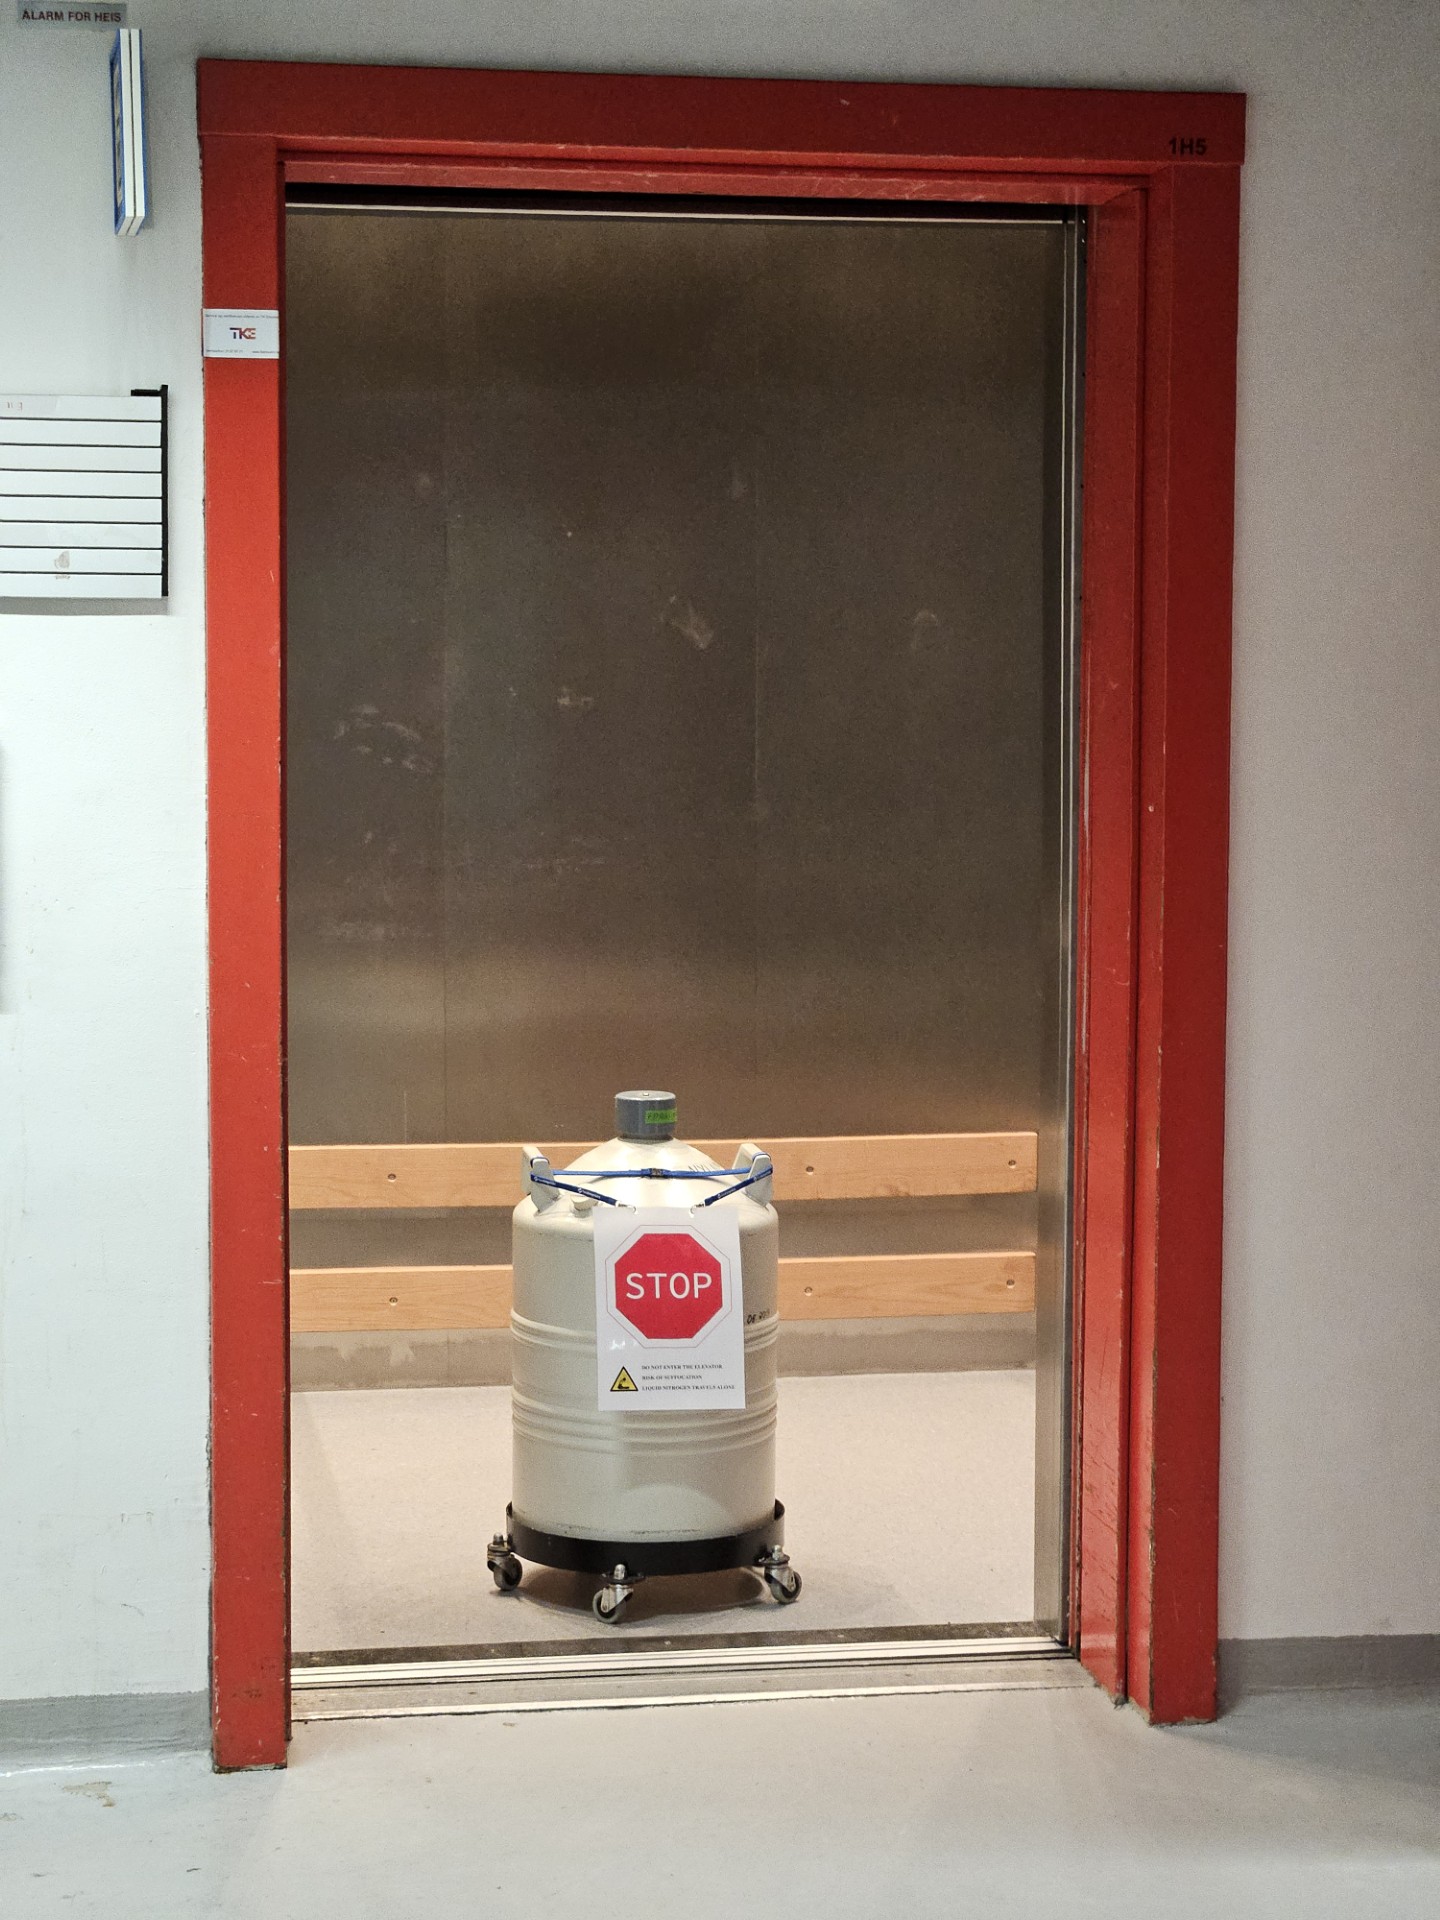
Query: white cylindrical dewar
point(621, 1475)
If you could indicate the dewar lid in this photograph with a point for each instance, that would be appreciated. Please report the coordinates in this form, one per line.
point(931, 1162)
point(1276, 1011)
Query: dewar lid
point(645, 1115)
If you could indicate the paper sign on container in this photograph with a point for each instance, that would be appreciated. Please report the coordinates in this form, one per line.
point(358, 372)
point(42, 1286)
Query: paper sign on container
point(669, 1308)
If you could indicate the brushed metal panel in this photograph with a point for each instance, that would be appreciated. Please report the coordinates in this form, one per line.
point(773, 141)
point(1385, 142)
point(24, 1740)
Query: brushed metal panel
point(902, 648)
point(668, 666)
point(365, 681)
point(601, 875)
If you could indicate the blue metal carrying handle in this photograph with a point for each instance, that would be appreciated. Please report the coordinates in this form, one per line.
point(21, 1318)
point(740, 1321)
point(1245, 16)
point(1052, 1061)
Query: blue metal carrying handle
point(655, 1173)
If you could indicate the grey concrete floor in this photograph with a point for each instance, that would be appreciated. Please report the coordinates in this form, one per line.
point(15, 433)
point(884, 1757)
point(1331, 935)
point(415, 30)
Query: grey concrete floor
point(1054, 1804)
point(395, 1493)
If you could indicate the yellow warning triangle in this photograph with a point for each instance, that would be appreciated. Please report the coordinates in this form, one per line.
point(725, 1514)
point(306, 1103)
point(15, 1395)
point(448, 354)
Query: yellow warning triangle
point(623, 1383)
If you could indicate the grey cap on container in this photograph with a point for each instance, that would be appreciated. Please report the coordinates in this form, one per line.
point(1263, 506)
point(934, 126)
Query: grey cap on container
point(645, 1116)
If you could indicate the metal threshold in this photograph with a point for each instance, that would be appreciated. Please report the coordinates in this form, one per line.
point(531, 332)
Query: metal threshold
point(544, 1683)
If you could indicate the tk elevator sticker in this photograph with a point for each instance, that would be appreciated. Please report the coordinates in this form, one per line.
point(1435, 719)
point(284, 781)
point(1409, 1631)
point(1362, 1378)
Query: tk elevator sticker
point(241, 333)
point(669, 1308)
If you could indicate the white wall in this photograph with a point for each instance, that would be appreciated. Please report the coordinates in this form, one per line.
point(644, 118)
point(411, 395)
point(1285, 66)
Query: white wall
point(103, 1164)
point(1332, 1417)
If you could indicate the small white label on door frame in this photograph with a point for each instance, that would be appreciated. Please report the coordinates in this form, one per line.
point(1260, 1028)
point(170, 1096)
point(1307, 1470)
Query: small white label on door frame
point(242, 333)
point(669, 1309)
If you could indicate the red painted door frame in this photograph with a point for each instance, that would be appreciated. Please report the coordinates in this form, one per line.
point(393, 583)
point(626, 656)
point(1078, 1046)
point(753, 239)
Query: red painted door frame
point(1160, 173)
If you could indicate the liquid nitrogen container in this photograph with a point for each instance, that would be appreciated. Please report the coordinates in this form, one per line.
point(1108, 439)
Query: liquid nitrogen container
point(648, 1448)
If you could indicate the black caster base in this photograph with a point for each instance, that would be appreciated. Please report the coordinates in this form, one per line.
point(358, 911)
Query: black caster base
point(622, 1565)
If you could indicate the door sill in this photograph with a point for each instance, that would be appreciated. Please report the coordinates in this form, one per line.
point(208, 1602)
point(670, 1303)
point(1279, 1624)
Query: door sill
point(403, 1688)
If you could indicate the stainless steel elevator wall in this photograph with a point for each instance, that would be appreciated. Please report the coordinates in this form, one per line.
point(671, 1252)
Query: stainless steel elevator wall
point(680, 692)
point(673, 608)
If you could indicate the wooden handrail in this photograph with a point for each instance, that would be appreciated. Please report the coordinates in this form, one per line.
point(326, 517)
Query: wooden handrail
point(830, 1167)
point(895, 1286)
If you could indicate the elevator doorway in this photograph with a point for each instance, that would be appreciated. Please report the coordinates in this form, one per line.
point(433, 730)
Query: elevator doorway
point(680, 692)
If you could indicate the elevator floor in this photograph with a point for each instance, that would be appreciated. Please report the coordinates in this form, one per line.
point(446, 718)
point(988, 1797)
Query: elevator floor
point(910, 1502)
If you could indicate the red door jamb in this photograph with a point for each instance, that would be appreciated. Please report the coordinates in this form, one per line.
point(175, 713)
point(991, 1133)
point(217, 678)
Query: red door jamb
point(1186, 574)
point(244, 619)
point(1161, 175)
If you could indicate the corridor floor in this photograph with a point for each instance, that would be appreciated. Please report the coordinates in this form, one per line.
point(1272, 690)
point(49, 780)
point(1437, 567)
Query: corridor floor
point(1004, 1806)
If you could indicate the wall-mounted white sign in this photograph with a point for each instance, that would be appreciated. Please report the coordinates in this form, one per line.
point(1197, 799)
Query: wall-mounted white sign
point(82, 496)
point(127, 119)
point(242, 333)
point(30, 15)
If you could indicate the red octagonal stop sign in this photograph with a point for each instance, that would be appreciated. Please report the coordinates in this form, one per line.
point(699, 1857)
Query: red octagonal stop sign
point(668, 1286)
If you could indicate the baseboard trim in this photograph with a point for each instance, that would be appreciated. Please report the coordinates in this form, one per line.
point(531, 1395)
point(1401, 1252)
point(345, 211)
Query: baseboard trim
point(1345, 1660)
point(105, 1726)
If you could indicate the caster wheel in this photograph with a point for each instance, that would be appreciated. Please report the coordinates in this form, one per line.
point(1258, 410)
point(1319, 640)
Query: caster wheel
point(507, 1573)
point(609, 1605)
point(785, 1584)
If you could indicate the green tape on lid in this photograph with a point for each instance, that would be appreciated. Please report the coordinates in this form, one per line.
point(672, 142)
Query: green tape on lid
point(660, 1116)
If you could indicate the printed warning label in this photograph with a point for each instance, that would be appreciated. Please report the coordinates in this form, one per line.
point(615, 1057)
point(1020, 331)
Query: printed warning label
point(669, 1307)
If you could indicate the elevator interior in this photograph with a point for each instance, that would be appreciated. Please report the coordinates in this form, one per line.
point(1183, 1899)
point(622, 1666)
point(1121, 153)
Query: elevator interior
point(680, 693)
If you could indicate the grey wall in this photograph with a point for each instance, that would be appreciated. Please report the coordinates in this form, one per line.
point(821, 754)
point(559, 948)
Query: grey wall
point(1332, 1421)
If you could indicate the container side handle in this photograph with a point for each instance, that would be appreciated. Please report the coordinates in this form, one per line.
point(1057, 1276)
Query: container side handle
point(536, 1178)
point(758, 1164)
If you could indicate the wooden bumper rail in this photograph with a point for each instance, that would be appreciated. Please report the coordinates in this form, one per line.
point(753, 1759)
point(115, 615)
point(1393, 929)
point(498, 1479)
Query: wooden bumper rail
point(906, 1166)
point(419, 1299)
point(889, 1166)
